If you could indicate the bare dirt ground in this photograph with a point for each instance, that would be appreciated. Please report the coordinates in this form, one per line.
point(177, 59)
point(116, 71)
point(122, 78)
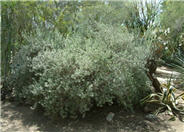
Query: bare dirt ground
point(19, 118)
point(16, 118)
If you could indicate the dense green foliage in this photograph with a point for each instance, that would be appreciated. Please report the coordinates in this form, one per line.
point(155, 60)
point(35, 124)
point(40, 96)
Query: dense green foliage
point(25, 17)
point(70, 56)
point(98, 64)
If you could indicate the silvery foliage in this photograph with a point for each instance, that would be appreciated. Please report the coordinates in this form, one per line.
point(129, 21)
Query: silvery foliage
point(96, 65)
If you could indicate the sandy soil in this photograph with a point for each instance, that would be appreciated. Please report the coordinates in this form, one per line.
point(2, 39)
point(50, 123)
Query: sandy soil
point(19, 118)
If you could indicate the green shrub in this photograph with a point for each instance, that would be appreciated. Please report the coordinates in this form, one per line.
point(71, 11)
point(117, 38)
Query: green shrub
point(99, 63)
point(69, 76)
point(21, 75)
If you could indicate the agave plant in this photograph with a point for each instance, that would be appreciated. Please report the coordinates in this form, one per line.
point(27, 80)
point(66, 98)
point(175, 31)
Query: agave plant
point(166, 100)
point(179, 66)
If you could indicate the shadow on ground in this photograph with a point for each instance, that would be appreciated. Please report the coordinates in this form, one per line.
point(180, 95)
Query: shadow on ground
point(20, 118)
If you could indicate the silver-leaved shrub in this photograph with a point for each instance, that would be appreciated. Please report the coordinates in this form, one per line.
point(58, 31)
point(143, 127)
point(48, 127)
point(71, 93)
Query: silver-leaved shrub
point(96, 65)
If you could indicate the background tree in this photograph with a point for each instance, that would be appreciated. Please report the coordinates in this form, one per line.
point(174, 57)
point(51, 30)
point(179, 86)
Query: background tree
point(172, 28)
point(19, 18)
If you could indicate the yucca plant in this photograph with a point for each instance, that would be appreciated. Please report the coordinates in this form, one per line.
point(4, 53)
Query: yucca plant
point(166, 100)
